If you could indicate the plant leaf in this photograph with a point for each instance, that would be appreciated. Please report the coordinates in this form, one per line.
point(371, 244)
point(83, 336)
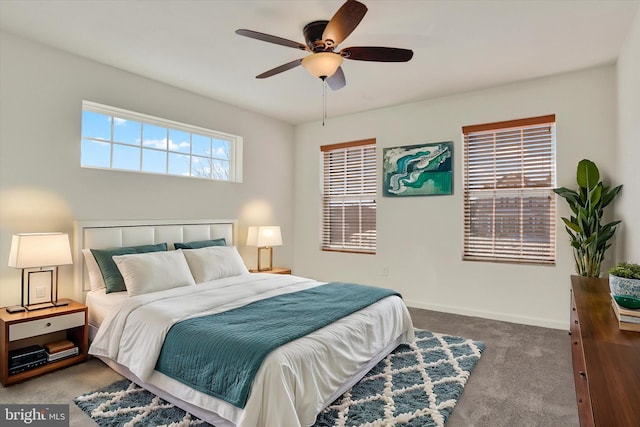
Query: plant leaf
point(587, 174)
point(594, 197)
point(583, 222)
point(610, 225)
point(608, 196)
point(565, 192)
point(573, 226)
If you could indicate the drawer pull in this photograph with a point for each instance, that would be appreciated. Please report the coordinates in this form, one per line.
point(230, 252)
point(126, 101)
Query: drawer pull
point(582, 374)
point(48, 324)
point(576, 322)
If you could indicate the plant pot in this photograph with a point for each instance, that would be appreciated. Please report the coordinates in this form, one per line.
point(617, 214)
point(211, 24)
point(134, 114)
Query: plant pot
point(625, 291)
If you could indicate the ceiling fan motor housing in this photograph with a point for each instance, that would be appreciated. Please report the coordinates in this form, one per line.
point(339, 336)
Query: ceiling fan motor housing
point(313, 36)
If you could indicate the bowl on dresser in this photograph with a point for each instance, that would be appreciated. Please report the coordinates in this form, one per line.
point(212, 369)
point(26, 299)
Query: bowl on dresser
point(625, 291)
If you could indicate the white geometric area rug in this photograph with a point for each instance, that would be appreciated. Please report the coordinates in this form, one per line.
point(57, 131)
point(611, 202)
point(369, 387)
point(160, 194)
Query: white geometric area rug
point(417, 385)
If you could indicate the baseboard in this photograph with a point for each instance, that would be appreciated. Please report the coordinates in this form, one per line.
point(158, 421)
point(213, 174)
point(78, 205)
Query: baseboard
point(524, 320)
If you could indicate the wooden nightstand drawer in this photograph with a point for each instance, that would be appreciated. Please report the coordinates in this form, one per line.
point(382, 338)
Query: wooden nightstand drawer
point(32, 328)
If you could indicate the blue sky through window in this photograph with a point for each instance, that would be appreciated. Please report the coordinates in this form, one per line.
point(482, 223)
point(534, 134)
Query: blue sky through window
point(126, 131)
point(113, 142)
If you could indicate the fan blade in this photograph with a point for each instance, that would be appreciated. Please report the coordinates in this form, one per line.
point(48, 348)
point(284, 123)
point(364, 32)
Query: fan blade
point(280, 69)
point(337, 80)
point(345, 20)
point(271, 39)
point(376, 53)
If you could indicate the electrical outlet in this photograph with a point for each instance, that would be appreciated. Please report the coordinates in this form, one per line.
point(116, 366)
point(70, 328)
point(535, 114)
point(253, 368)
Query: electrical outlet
point(385, 271)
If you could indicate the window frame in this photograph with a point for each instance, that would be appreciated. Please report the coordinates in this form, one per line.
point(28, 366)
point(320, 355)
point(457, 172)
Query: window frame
point(366, 198)
point(542, 162)
point(235, 143)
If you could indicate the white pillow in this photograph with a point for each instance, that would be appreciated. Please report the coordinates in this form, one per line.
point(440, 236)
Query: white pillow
point(95, 275)
point(214, 262)
point(153, 271)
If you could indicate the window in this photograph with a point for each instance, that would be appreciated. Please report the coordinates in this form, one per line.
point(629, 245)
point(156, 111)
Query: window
point(509, 204)
point(118, 139)
point(349, 197)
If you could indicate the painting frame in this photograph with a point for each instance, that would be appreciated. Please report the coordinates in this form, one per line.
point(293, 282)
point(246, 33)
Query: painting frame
point(418, 170)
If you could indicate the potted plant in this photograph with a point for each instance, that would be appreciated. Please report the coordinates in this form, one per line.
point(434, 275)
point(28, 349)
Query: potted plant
point(589, 237)
point(624, 280)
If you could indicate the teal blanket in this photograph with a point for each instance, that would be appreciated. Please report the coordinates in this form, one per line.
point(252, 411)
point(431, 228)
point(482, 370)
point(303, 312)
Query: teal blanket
point(220, 354)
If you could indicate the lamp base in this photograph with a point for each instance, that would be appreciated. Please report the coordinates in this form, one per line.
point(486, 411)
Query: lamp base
point(15, 309)
point(33, 307)
point(269, 251)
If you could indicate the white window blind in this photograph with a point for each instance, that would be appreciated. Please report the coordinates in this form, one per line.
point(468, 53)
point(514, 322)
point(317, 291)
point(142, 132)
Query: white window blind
point(349, 197)
point(509, 204)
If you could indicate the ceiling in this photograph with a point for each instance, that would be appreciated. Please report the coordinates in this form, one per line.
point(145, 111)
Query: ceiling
point(458, 45)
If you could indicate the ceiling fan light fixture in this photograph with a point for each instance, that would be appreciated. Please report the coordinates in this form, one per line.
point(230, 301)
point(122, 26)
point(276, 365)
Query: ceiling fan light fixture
point(322, 64)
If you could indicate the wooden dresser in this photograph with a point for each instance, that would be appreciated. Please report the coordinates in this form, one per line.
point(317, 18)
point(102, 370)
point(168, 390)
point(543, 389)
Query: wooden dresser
point(606, 360)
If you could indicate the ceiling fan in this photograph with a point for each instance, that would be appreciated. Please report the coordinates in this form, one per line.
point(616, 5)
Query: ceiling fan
point(322, 38)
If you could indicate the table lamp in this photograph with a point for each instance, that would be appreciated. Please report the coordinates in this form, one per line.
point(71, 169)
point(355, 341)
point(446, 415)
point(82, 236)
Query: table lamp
point(42, 253)
point(265, 238)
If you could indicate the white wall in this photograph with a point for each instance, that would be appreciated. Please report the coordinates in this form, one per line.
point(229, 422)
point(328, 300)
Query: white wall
point(628, 150)
point(420, 238)
point(43, 188)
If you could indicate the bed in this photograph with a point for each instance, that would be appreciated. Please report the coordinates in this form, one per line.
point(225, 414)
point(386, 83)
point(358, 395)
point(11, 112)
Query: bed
point(293, 382)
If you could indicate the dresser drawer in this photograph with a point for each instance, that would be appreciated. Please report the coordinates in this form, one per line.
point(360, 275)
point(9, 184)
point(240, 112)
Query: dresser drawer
point(32, 328)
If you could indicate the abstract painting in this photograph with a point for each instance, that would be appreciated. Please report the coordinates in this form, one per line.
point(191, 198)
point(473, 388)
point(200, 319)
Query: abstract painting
point(418, 170)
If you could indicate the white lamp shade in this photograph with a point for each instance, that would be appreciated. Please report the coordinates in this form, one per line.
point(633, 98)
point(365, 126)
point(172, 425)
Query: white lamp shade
point(322, 64)
point(31, 250)
point(262, 236)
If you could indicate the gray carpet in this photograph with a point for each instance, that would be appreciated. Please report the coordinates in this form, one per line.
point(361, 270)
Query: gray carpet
point(523, 379)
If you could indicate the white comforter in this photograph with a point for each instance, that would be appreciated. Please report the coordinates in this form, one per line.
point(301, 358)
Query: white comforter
point(294, 382)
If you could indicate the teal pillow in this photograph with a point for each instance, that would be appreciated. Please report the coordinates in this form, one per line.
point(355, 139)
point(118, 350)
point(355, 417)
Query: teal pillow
point(104, 257)
point(201, 244)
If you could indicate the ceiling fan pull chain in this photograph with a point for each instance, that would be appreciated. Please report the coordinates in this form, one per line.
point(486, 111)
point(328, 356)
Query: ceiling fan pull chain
point(324, 100)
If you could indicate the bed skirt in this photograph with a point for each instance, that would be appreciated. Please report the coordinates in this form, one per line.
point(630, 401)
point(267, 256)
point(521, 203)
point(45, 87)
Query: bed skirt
point(213, 417)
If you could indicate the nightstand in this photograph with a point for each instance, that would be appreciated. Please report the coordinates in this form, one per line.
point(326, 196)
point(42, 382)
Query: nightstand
point(275, 270)
point(21, 330)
